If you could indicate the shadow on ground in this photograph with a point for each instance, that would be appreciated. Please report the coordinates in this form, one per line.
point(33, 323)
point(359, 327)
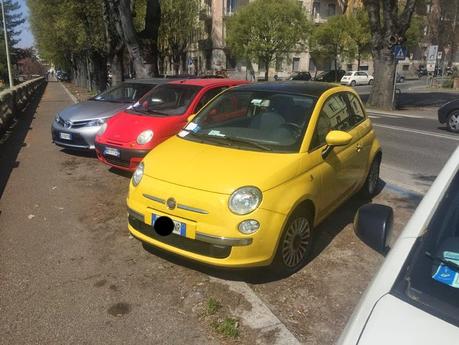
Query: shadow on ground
point(13, 139)
point(325, 233)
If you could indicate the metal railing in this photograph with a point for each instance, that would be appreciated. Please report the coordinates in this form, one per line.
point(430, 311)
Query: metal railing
point(14, 101)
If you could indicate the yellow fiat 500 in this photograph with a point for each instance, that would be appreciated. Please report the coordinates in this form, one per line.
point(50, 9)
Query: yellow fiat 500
point(248, 179)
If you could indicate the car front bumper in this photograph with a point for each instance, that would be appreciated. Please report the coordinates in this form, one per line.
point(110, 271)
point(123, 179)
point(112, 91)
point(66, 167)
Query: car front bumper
point(128, 159)
point(81, 138)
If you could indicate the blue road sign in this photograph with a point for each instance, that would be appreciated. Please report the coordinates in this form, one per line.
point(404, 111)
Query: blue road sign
point(399, 52)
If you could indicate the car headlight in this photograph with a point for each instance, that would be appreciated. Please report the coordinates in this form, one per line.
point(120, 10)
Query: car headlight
point(58, 118)
point(145, 137)
point(138, 174)
point(245, 200)
point(102, 129)
point(97, 122)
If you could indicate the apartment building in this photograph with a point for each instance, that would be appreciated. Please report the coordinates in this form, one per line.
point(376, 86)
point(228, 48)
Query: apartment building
point(209, 54)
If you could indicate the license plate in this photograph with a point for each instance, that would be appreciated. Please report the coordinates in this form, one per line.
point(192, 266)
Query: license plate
point(65, 136)
point(111, 152)
point(179, 227)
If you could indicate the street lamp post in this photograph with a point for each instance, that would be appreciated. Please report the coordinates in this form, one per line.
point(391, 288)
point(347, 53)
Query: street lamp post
point(10, 74)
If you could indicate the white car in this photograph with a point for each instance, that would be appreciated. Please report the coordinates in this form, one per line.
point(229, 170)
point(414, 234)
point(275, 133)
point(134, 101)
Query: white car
point(354, 78)
point(414, 298)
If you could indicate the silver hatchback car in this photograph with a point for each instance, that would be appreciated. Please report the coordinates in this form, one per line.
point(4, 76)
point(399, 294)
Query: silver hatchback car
point(76, 126)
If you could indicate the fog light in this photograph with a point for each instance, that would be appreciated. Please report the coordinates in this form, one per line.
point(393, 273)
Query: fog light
point(248, 227)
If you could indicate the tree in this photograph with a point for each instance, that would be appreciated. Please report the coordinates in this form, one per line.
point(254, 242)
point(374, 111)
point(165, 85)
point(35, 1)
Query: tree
point(358, 29)
point(266, 29)
point(178, 19)
point(387, 26)
point(330, 40)
point(14, 19)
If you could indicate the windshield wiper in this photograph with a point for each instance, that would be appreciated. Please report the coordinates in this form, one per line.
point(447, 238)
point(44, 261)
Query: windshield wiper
point(448, 263)
point(247, 141)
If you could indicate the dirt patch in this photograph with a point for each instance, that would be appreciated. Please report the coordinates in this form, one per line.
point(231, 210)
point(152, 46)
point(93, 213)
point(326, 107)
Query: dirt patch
point(81, 94)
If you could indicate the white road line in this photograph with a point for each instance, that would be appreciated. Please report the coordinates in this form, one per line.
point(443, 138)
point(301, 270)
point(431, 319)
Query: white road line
point(417, 131)
point(260, 317)
point(394, 115)
point(374, 117)
point(74, 99)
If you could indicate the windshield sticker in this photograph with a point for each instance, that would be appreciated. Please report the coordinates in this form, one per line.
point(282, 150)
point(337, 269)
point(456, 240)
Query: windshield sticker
point(446, 275)
point(451, 256)
point(260, 102)
point(183, 134)
point(193, 127)
point(216, 133)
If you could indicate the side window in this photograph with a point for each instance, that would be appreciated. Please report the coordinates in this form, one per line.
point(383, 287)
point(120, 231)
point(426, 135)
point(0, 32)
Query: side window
point(336, 114)
point(208, 96)
point(356, 107)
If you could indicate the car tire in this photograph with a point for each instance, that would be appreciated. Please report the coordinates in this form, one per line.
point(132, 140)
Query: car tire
point(370, 187)
point(402, 80)
point(296, 243)
point(353, 83)
point(453, 121)
point(370, 82)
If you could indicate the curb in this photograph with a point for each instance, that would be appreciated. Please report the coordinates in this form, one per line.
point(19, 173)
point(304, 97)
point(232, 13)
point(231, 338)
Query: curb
point(74, 99)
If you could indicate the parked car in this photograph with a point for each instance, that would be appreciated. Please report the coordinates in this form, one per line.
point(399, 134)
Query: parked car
point(354, 78)
point(301, 76)
point(247, 180)
point(399, 78)
point(76, 126)
point(127, 137)
point(414, 297)
point(449, 113)
point(332, 76)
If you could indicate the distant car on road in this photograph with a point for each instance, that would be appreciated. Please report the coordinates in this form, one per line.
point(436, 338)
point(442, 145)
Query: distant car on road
point(354, 78)
point(301, 76)
point(126, 138)
point(414, 298)
point(449, 113)
point(76, 126)
point(400, 78)
point(333, 76)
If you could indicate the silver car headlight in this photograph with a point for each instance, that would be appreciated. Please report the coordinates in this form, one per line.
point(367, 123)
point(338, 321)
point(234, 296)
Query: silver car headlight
point(138, 174)
point(145, 137)
point(58, 118)
point(102, 129)
point(245, 200)
point(96, 122)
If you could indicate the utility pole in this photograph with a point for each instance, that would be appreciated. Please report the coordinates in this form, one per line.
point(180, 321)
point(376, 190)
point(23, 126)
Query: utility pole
point(10, 74)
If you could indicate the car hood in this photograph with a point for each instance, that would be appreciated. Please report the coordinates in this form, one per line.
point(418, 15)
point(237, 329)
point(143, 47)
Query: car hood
point(90, 110)
point(218, 169)
point(126, 127)
point(394, 321)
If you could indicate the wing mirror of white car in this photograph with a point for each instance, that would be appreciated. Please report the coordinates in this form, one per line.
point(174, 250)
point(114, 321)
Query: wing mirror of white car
point(373, 225)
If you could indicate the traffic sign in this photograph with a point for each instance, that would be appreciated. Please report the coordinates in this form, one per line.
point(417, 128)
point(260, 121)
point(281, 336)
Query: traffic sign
point(400, 52)
point(432, 54)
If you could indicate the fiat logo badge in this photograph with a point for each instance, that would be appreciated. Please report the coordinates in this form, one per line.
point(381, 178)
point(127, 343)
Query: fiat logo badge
point(171, 203)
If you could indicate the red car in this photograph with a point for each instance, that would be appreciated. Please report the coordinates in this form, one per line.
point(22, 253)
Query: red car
point(127, 137)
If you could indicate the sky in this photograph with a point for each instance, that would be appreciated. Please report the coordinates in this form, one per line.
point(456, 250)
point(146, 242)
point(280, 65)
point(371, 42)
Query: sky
point(26, 36)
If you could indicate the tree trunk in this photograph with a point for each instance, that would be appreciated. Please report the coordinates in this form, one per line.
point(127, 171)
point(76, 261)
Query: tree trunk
point(267, 63)
point(99, 71)
point(381, 93)
point(116, 67)
point(358, 60)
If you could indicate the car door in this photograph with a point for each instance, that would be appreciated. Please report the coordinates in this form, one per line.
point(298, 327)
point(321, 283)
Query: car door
point(343, 164)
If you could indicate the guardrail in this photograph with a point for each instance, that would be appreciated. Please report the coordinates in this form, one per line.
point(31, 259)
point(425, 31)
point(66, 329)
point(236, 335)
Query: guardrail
point(14, 101)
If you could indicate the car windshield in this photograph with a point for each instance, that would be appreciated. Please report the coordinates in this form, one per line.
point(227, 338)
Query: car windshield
point(254, 120)
point(430, 277)
point(167, 100)
point(348, 73)
point(124, 93)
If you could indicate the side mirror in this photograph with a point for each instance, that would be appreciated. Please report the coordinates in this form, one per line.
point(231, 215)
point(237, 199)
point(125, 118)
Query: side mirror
point(191, 117)
point(373, 225)
point(335, 138)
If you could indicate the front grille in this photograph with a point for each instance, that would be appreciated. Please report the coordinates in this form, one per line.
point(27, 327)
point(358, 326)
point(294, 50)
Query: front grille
point(194, 246)
point(117, 161)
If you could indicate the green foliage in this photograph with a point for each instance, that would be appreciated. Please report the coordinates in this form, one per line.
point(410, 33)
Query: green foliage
point(228, 327)
point(213, 306)
point(357, 28)
point(414, 35)
point(265, 29)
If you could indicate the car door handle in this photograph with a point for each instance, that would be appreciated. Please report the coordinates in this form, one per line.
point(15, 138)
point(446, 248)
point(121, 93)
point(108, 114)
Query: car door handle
point(358, 147)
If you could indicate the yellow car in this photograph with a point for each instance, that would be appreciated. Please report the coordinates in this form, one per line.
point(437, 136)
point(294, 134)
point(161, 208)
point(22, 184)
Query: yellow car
point(248, 179)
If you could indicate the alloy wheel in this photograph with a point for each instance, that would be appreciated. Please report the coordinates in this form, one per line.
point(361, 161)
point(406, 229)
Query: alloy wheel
point(453, 122)
point(297, 242)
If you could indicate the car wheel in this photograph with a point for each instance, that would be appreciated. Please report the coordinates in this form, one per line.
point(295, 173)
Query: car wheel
point(370, 82)
point(370, 186)
point(353, 83)
point(453, 121)
point(295, 245)
point(402, 80)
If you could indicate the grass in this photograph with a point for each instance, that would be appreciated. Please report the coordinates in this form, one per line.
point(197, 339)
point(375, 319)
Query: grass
point(228, 327)
point(213, 306)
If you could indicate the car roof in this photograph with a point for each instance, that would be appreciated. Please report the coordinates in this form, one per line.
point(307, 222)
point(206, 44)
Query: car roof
point(310, 88)
point(208, 82)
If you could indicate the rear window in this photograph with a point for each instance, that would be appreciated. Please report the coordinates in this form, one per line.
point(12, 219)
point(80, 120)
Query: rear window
point(429, 279)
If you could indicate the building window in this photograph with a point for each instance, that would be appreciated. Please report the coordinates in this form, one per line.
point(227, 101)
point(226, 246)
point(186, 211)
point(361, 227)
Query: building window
point(316, 9)
point(296, 64)
point(331, 10)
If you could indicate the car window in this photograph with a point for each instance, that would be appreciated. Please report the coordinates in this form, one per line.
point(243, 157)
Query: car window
point(356, 107)
point(336, 114)
point(125, 93)
point(348, 73)
point(425, 281)
point(208, 95)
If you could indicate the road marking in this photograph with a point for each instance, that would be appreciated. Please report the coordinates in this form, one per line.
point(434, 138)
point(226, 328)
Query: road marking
point(394, 115)
point(417, 131)
point(374, 117)
point(74, 99)
point(260, 317)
